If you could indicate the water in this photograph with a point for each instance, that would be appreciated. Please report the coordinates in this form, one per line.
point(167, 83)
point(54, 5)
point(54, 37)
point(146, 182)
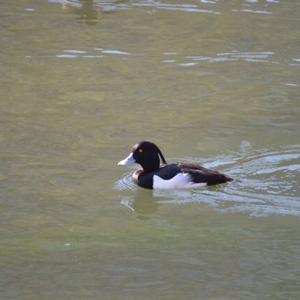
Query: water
point(211, 82)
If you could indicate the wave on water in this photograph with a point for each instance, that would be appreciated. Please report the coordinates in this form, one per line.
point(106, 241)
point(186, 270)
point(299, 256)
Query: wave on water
point(108, 6)
point(174, 58)
point(125, 183)
point(265, 183)
point(249, 57)
point(209, 7)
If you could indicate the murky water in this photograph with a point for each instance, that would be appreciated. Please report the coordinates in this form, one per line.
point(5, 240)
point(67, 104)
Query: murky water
point(213, 82)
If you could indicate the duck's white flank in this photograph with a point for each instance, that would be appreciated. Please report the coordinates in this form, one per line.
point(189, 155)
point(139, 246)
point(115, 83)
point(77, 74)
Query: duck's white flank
point(180, 181)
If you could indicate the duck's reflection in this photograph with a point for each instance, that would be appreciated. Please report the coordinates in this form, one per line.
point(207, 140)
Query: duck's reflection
point(143, 203)
point(87, 12)
point(84, 8)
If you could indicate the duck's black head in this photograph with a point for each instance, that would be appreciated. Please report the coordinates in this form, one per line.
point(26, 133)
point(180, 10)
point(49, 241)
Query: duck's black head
point(146, 154)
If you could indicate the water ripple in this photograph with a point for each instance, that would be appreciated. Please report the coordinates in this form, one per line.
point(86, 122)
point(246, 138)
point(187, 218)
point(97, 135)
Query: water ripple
point(208, 7)
point(252, 57)
point(252, 11)
point(125, 183)
point(72, 53)
point(109, 6)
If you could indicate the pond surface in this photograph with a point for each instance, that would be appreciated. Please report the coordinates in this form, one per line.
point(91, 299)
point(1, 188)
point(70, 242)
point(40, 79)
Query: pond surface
point(211, 82)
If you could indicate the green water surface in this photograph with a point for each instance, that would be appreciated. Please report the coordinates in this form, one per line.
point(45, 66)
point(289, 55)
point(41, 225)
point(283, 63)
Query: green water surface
point(211, 82)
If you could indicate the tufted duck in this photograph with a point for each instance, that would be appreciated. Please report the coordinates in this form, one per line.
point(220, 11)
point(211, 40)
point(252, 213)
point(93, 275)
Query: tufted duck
point(168, 176)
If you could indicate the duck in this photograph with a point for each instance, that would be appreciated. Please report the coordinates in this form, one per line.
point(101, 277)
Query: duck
point(156, 173)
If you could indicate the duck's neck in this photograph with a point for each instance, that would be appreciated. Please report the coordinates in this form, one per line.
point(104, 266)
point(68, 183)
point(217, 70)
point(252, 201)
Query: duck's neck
point(151, 166)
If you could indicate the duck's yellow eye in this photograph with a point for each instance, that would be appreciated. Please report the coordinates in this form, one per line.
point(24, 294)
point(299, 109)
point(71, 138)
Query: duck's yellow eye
point(141, 150)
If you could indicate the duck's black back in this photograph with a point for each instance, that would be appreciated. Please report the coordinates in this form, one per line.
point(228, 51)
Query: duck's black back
point(200, 174)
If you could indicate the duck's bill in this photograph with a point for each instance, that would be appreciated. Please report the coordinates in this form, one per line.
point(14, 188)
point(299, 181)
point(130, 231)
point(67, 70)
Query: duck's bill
point(129, 160)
